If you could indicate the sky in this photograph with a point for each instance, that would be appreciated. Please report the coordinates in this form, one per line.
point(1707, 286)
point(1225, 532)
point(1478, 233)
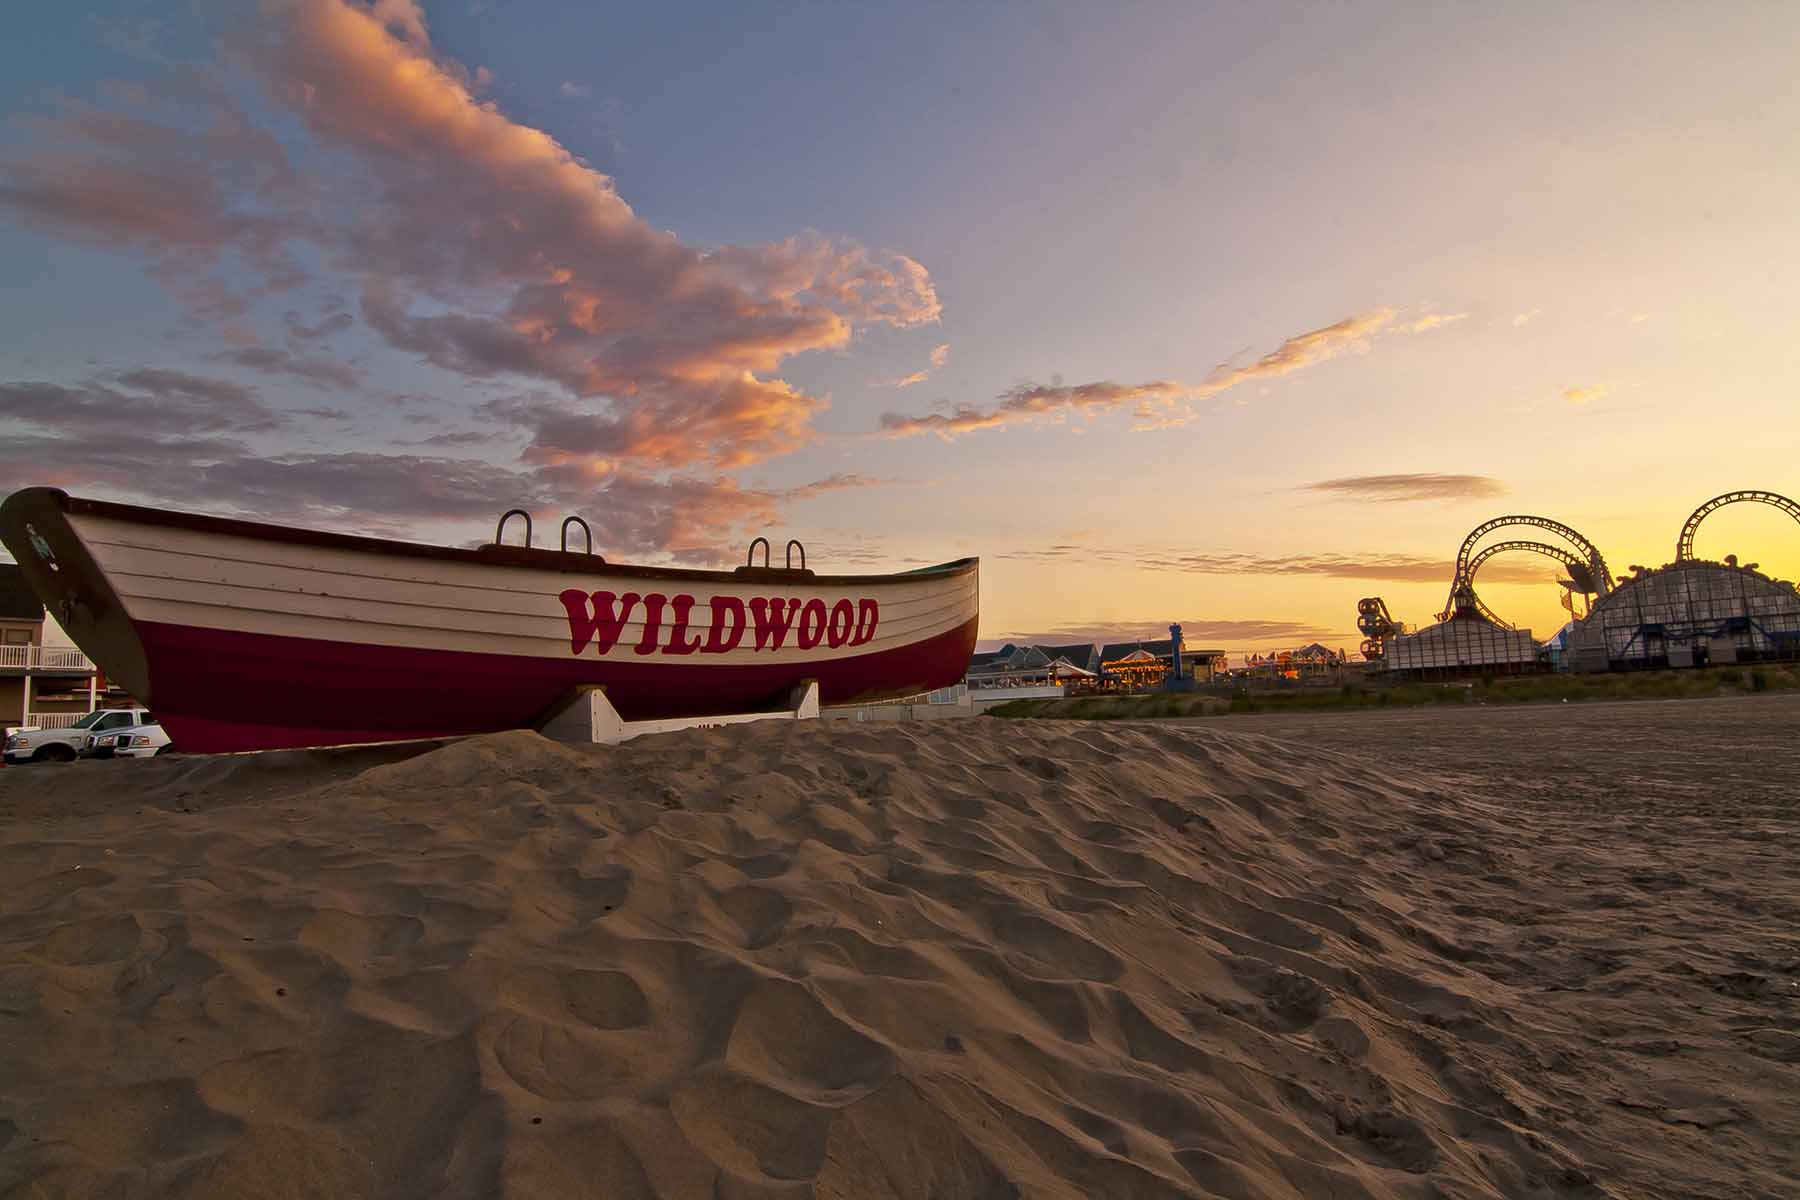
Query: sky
point(1220, 314)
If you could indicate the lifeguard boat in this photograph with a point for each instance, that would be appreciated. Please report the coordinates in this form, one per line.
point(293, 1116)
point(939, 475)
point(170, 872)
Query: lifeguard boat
point(248, 636)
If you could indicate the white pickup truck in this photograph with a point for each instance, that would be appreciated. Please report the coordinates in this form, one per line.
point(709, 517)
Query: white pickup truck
point(134, 741)
point(31, 744)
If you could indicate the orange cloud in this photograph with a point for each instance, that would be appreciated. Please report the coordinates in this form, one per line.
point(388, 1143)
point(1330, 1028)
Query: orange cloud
point(1304, 350)
point(1585, 395)
point(1027, 401)
point(939, 356)
point(1434, 321)
point(1161, 403)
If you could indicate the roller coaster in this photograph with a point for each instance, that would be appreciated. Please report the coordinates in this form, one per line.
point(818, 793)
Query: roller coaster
point(1684, 549)
point(1587, 572)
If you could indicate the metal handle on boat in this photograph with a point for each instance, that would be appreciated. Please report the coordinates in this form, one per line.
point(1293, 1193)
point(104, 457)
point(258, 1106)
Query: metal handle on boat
point(568, 521)
point(750, 558)
point(500, 529)
point(794, 544)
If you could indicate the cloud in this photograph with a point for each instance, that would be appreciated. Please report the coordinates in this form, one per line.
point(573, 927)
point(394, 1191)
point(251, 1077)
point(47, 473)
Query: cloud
point(1586, 395)
point(1160, 404)
point(173, 403)
point(185, 445)
point(334, 321)
point(1432, 321)
point(465, 437)
point(184, 188)
point(475, 242)
point(837, 482)
point(319, 372)
point(1390, 488)
point(574, 91)
point(1526, 318)
point(1398, 568)
point(939, 356)
point(1395, 568)
point(142, 433)
point(1032, 400)
point(693, 518)
point(1304, 350)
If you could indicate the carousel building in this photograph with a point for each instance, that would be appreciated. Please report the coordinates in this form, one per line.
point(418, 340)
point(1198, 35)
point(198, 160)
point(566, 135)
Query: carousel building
point(1144, 664)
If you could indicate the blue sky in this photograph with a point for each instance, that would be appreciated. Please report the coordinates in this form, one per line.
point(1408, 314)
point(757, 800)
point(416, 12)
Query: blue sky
point(1557, 248)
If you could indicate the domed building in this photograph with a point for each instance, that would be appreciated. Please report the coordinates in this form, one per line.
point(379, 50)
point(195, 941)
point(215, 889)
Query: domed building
point(1690, 613)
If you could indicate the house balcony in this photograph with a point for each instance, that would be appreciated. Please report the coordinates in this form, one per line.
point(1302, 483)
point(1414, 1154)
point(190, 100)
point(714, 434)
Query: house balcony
point(44, 660)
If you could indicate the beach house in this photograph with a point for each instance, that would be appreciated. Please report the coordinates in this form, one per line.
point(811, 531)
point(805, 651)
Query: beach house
point(43, 680)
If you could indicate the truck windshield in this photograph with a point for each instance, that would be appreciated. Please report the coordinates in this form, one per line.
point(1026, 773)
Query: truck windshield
point(87, 722)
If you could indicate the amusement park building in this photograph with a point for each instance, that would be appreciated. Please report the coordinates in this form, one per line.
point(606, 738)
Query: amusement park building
point(1465, 643)
point(1687, 614)
point(1150, 662)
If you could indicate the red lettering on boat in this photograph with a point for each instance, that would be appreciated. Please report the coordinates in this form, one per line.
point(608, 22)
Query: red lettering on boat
point(868, 615)
point(843, 622)
point(653, 606)
point(812, 624)
point(679, 642)
point(718, 642)
point(602, 623)
point(600, 619)
point(774, 617)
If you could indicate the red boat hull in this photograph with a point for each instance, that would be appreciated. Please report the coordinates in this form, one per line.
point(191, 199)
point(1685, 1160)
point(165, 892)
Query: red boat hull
point(288, 692)
point(243, 636)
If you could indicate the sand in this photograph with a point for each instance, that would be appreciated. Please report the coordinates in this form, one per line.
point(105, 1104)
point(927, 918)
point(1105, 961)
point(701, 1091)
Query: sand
point(1507, 952)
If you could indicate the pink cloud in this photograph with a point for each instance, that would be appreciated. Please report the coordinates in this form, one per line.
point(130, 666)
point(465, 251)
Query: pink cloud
point(478, 243)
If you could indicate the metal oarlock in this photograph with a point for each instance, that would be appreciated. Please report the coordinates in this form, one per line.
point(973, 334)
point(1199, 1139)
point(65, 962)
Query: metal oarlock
point(568, 521)
point(500, 529)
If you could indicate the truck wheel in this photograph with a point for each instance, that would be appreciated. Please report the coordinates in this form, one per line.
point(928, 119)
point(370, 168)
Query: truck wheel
point(162, 750)
point(54, 753)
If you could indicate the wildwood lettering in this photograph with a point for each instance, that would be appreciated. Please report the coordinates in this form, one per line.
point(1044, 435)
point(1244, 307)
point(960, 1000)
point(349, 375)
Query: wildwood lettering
point(666, 622)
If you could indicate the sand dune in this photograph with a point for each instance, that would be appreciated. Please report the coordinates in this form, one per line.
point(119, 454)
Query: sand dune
point(1516, 953)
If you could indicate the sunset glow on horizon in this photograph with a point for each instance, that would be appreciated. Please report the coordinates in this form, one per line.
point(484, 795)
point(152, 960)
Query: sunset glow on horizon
point(1219, 315)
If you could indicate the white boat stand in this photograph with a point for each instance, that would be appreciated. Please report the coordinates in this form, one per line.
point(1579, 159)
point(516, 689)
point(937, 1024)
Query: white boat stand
point(586, 715)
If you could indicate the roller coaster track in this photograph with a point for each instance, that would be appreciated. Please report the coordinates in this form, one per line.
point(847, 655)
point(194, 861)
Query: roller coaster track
point(1684, 549)
point(1586, 568)
point(1562, 556)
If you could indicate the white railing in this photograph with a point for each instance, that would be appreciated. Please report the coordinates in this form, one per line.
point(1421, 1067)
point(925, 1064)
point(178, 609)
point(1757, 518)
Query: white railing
point(52, 658)
point(53, 720)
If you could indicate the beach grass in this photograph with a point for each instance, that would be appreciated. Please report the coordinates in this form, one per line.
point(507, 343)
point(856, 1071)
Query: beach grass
point(1528, 689)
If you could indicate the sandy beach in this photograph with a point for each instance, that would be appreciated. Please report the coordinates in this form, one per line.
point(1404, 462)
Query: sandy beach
point(1532, 952)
